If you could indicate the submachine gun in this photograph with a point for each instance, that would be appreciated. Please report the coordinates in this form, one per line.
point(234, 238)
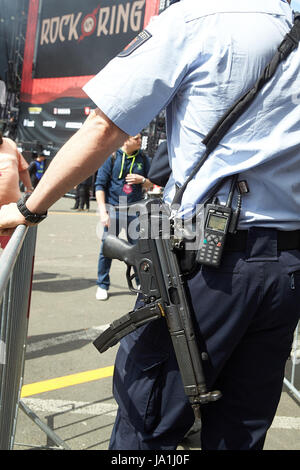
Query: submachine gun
point(164, 293)
point(156, 260)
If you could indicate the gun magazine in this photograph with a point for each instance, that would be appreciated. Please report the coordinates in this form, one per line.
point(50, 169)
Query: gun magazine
point(128, 323)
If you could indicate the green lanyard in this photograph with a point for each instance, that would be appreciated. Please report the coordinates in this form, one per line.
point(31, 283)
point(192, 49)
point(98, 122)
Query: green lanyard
point(123, 162)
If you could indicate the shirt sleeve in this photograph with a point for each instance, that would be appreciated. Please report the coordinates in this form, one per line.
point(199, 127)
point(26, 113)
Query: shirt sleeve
point(133, 88)
point(103, 175)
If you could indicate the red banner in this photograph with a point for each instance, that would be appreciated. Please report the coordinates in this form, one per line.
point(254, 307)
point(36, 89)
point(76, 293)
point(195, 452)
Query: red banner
point(43, 90)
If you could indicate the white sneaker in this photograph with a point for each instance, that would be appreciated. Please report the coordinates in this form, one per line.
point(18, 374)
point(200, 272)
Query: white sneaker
point(101, 294)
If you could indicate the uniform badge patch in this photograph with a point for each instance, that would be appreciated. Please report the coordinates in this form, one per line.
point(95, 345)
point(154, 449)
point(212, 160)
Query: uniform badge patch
point(142, 37)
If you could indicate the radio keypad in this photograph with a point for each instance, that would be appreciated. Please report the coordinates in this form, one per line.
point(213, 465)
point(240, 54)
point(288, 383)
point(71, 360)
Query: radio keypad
point(211, 249)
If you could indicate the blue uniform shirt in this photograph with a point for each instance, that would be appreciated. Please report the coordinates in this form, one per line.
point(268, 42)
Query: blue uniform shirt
point(111, 177)
point(196, 59)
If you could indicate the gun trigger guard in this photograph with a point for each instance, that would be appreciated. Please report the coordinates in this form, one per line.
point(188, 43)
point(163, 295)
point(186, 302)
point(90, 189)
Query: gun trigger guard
point(129, 278)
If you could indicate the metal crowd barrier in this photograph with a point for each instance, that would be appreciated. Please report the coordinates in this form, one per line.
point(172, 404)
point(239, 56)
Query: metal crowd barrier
point(16, 271)
point(293, 376)
point(16, 267)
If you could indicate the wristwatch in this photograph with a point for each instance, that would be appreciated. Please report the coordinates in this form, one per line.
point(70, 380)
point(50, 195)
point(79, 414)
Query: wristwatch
point(29, 216)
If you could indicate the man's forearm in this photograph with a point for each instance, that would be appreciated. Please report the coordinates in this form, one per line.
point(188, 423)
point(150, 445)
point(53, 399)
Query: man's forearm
point(100, 198)
point(104, 215)
point(79, 157)
point(25, 178)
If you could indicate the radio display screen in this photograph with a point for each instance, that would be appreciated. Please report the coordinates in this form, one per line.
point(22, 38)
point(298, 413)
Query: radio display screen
point(216, 222)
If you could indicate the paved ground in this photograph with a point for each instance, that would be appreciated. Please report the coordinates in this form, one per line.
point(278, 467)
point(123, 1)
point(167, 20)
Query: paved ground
point(67, 383)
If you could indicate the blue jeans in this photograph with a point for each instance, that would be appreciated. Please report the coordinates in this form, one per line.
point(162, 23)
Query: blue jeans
point(118, 222)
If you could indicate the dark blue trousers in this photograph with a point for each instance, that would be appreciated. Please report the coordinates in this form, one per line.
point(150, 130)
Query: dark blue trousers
point(246, 312)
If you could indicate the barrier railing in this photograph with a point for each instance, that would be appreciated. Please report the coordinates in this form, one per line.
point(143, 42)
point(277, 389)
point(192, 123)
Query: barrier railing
point(16, 267)
point(291, 377)
point(16, 270)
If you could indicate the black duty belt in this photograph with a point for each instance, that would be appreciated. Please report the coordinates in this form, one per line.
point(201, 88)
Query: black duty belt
point(285, 240)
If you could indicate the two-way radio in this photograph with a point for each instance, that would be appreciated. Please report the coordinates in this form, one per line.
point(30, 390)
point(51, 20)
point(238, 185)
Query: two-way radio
point(219, 221)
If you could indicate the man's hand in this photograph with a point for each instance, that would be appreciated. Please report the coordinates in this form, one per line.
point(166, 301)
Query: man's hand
point(134, 178)
point(10, 217)
point(104, 217)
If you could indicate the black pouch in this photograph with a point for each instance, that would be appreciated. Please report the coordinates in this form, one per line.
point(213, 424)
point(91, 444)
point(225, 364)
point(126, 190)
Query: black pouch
point(190, 233)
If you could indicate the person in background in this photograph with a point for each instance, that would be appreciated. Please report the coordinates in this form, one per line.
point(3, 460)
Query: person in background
point(37, 168)
point(82, 195)
point(124, 174)
point(13, 169)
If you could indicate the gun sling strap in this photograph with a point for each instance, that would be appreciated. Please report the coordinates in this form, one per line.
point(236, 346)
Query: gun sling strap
point(212, 139)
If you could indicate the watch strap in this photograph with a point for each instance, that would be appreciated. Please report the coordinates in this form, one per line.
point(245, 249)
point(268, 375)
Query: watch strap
point(29, 216)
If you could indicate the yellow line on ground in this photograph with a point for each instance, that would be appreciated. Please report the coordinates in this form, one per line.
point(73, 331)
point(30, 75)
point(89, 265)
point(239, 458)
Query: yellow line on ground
point(66, 381)
point(72, 213)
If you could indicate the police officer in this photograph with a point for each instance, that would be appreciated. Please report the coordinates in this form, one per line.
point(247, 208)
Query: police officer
point(121, 178)
point(197, 58)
